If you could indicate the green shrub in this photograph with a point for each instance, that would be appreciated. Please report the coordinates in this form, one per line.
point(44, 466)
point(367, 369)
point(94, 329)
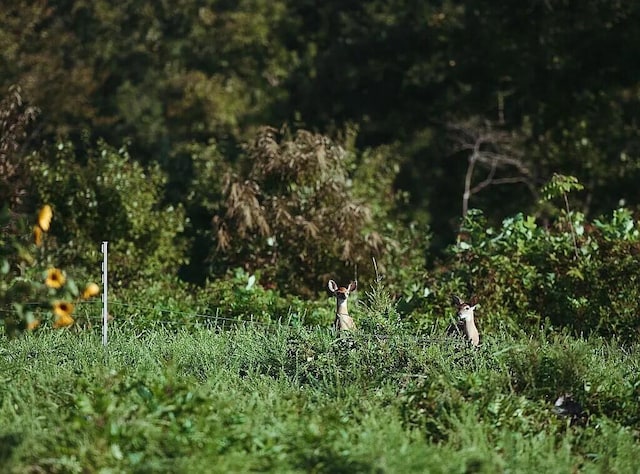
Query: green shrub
point(110, 197)
point(526, 275)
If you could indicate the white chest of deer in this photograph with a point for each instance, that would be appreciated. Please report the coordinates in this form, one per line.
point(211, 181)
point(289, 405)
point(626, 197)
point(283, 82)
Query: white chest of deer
point(466, 316)
point(343, 321)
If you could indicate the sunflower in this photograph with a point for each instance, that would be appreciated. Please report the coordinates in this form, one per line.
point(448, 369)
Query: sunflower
point(37, 235)
point(62, 311)
point(44, 217)
point(55, 278)
point(92, 289)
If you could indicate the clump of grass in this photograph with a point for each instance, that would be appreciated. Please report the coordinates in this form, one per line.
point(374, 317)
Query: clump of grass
point(381, 314)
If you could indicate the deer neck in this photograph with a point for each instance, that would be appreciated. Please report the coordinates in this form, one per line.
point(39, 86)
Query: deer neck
point(472, 331)
point(341, 308)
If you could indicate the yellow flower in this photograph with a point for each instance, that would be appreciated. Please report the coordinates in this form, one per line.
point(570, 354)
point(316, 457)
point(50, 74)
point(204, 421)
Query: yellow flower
point(37, 235)
point(44, 217)
point(55, 278)
point(62, 311)
point(33, 325)
point(63, 321)
point(92, 289)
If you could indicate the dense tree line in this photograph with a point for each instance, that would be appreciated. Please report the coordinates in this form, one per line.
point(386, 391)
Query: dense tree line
point(425, 109)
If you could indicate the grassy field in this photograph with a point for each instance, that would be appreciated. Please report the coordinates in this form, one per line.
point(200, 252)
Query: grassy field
point(293, 399)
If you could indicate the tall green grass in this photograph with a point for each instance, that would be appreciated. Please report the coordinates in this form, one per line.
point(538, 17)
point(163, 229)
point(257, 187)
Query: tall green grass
point(293, 399)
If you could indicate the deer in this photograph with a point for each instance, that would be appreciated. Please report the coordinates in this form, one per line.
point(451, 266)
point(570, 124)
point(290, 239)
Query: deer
point(566, 406)
point(466, 323)
point(343, 321)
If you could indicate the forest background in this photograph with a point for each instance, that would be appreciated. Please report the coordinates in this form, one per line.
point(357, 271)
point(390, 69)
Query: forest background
point(295, 141)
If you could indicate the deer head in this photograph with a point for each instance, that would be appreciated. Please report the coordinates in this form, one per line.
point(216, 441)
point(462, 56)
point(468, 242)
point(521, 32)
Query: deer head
point(465, 310)
point(340, 292)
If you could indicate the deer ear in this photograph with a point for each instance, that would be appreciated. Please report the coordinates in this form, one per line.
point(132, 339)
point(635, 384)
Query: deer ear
point(333, 287)
point(353, 286)
point(456, 300)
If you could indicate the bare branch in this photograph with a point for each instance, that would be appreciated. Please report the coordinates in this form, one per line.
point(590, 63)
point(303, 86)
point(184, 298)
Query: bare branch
point(491, 149)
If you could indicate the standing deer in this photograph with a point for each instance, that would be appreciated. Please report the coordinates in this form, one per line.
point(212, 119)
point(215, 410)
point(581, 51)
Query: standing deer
point(466, 323)
point(343, 321)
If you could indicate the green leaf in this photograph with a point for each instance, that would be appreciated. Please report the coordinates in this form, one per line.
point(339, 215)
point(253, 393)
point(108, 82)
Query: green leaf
point(72, 287)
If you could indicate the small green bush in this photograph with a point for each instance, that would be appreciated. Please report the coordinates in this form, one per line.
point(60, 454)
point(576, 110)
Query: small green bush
point(111, 198)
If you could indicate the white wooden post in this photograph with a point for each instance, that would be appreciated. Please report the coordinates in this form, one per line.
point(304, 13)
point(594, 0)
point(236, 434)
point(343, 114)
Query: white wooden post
point(105, 311)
